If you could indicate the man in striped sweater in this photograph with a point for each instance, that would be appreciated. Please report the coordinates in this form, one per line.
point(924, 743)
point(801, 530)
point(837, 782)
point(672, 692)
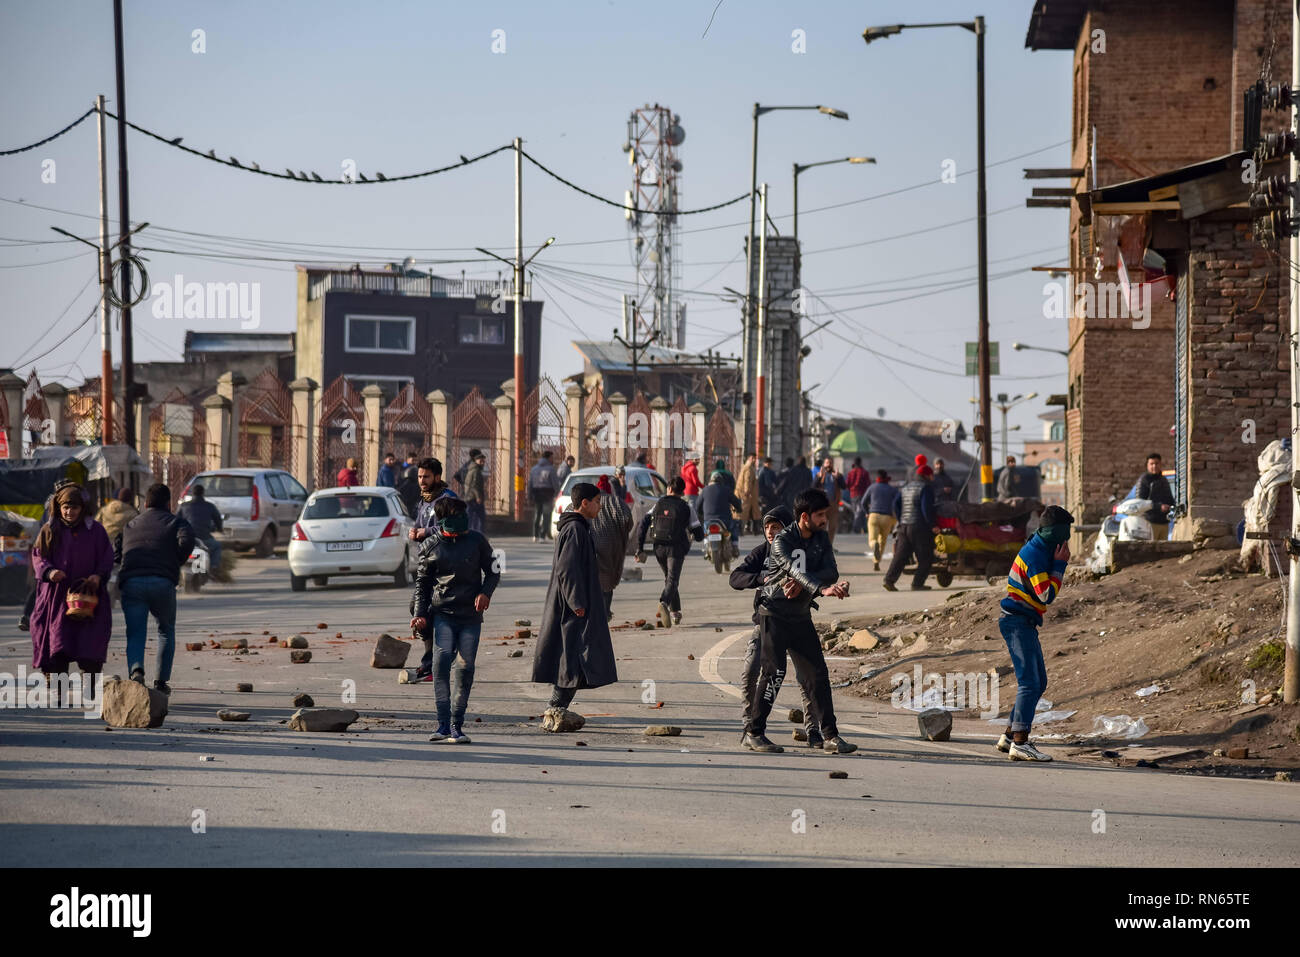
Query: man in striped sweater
point(1032, 584)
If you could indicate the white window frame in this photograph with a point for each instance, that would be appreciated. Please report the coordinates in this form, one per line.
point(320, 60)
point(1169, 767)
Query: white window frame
point(347, 334)
point(505, 331)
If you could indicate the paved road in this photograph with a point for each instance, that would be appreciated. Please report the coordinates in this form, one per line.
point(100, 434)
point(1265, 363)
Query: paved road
point(382, 795)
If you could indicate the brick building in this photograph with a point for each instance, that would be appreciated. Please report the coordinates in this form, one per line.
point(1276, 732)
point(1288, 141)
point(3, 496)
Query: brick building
point(1156, 131)
point(1048, 455)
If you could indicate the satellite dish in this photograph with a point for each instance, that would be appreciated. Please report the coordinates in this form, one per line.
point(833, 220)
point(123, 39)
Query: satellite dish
point(676, 135)
point(408, 264)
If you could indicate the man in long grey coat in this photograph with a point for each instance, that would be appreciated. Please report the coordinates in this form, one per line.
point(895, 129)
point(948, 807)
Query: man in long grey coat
point(610, 531)
point(574, 649)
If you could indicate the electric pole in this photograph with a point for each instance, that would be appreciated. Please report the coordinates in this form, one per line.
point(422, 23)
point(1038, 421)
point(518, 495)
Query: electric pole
point(105, 281)
point(124, 228)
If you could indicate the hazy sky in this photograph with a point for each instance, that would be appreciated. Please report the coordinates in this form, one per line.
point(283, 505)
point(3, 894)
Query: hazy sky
point(406, 86)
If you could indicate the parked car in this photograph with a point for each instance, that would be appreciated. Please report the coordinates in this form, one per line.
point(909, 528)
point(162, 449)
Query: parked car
point(360, 530)
point(644, 488)
point(258, 506)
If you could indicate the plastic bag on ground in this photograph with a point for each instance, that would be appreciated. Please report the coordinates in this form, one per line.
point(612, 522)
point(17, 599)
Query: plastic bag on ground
point(1119, 726)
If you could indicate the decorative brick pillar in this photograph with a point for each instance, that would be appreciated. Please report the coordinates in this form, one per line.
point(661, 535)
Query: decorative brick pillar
point(440, 442)
point(229, 387)
point(56, 400)
point(659, 431)
point(217, 410)
point(503, 459)
point(618, 440)
point(373, 396)
point(698, 429)
point(12, 387)
point(304, 438)
point(576, 437)
point(143, 406)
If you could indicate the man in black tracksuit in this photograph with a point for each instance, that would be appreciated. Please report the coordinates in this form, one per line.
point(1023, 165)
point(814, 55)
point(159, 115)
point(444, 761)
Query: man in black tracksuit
point(914, 509)
point(675, 523)
point(802, 553)
point(749, 574)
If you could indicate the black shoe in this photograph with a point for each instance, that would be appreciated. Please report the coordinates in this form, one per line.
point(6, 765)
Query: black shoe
point(162, 686)
point(921, 588)
point(889, 586)
point(759, 742)
point(24, 623)
point(816, 742)
point(138, 676)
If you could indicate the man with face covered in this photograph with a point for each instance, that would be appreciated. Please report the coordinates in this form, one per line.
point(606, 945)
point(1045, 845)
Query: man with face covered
point(1032, 585)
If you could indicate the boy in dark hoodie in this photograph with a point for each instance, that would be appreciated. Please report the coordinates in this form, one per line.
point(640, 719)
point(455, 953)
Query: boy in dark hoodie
point(1032, 585)
point(749, 574)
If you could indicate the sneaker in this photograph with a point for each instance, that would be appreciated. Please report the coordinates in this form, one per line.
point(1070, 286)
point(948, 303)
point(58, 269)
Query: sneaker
point(875, 566)
point(442, 734)
point(426, 676)
point(665, 615)
point(138, 676)
point(1026, 752)
point(921, 588)
point(1004, 743)
point(759, 742)
point(162, 686)
point(816, 742)
point(24, 623)
point(458, 736)
point(889, 586)
point(838, 745)
point(677, 618)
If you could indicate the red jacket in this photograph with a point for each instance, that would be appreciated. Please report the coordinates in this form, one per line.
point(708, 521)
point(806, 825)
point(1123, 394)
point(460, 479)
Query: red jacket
point(858, 480)
point(691, 476)
point(348, 478)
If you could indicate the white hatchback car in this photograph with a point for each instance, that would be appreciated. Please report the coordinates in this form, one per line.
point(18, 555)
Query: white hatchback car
point(352, 531)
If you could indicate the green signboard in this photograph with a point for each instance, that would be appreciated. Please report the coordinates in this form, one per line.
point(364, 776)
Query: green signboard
point(973, 358)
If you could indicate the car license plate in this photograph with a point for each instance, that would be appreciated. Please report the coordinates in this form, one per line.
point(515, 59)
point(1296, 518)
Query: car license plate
point(343, 546)
point(715, 538)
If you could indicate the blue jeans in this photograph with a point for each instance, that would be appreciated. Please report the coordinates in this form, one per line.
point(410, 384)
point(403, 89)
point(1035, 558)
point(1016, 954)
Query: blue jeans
point(453, 636)
point(141, 597)
point(1021, 637)
point(214, 552)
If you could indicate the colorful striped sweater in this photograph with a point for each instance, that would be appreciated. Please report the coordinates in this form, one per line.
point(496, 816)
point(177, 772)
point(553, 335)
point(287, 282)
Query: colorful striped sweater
point(1034, 580)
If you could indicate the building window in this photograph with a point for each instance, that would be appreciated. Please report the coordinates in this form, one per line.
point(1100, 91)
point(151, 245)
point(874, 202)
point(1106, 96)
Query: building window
point(380, 334)
point(481, 330)
point(391, 384)
point(1057, 432)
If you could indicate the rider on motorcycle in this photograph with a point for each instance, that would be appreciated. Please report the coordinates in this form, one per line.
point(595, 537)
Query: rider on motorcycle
point(716, 502)
point(204, 518)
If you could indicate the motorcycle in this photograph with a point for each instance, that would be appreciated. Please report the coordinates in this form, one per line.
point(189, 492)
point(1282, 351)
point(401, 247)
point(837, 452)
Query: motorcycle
point(717, 546)
point(197, 571)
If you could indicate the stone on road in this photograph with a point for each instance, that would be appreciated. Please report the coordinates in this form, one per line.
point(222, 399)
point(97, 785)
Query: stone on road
point(322, 719)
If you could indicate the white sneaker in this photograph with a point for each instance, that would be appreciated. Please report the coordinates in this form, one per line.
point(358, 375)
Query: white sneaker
point(1004, 743)
point(1026, 752)
point(439, 736)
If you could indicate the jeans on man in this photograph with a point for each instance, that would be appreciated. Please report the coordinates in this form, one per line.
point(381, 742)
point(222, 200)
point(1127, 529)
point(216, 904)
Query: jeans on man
point(543, 501)
point(749, 682)
point(143, 596)
point(671, 558)
point(1031, 671)
point(214, 553)
point(909, 539)
point(477, 517)
point(797, 638)
point(455, 639)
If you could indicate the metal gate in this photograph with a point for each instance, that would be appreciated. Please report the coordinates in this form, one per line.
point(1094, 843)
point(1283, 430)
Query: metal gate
point(677, 440)
point(474, 426)
point(720, 443)
point(408, 426)
point(83, 418)
point(266, 425)
point(341, 434)
point(178, 442)
point(598, 430)
point(38, 427)
point(639, 429)
point(546, 421)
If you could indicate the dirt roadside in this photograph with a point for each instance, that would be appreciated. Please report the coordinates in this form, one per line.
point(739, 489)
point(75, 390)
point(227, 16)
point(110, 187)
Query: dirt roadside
point(1207, 635)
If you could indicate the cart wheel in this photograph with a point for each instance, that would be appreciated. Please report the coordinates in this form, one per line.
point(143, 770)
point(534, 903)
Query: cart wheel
point(944, 577)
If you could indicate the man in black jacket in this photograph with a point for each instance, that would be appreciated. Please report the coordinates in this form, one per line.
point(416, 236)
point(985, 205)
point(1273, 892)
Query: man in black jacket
point(914, 508)
point(716, 502)
point(151, 548)
point(1154, 486)
point(749, 574)
point(802, 554)
point(675, 523)
point(204, 518)
point(453, 587)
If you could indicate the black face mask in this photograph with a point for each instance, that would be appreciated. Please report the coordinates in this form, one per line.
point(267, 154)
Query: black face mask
point(1054, 534)
point(454, 524)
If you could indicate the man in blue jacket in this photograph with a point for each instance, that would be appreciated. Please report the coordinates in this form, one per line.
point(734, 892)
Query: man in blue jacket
point(914, 509)
point(1032, 584)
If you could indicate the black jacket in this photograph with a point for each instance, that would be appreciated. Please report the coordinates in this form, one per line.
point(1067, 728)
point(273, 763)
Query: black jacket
point(794, 480)
point(809, 561)
point(574, 652)
point(749, 574)
point(202, 515)
point(676, 522)
point(453, 571)
point(915, 503)
point(155, 542)
point(1156, 488)
point(717, 500)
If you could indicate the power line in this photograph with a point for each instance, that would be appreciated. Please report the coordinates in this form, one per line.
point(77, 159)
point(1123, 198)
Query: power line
point(617, 205)
point(50, 328)
point(24, 149)
point(34, 359)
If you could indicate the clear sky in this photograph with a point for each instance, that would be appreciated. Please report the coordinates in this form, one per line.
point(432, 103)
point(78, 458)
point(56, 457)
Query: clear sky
point(401, 87)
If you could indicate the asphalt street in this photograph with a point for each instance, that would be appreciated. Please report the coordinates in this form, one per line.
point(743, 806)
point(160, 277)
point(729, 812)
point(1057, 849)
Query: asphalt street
point(382, 794)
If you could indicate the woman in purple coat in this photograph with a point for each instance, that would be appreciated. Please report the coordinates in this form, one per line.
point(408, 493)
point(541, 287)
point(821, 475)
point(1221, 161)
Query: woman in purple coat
point(70, 547)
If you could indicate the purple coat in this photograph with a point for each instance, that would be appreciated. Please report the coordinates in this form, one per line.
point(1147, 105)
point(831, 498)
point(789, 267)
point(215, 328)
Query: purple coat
point(82, 550)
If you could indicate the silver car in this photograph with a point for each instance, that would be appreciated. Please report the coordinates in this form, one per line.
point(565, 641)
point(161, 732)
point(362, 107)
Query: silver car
point(258, 506)
point(644, 487)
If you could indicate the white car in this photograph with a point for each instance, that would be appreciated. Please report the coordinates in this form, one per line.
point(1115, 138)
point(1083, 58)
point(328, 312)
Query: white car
point(352, 531)
point(644, 488)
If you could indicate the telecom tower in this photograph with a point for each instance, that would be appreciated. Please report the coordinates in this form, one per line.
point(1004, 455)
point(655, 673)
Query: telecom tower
point(653, 135)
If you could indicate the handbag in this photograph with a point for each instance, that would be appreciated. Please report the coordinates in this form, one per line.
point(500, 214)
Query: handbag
point(81, 604)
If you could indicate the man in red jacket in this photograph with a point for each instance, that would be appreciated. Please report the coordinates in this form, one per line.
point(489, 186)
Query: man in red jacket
point(858, 481)
point(691, 476)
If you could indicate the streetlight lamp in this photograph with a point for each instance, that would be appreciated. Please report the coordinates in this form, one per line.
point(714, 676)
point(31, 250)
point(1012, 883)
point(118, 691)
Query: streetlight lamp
point(1004, 405)
point(1020, 345)
point(800, 167)
point(759, 110)
point(976, 26)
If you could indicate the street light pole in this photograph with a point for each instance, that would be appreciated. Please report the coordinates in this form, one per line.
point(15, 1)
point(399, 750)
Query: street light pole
point(521, 436)
point(800, 167)
point(760, 393)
